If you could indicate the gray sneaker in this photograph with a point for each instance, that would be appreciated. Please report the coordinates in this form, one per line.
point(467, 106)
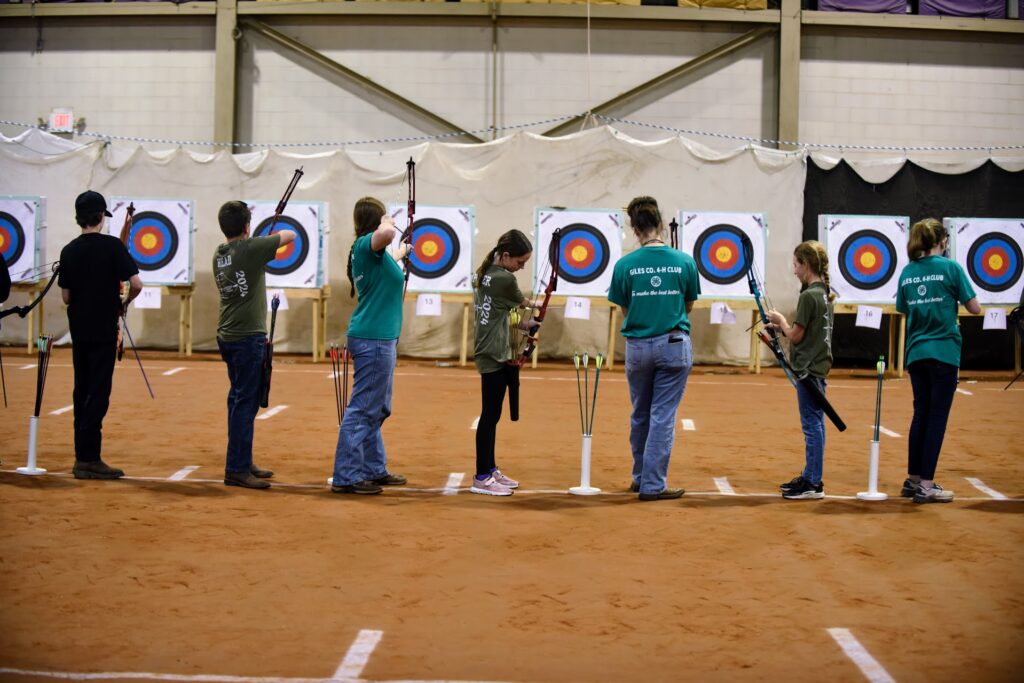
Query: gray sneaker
point(95, 470)
point(910, 488)
point(936, 494)
point(245, 480)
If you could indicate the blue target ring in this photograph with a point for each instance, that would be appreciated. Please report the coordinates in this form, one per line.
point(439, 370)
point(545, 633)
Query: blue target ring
point(867, 259)
point(154, 240)
point(994, 262)
point(435, 248)
point(583, 253)
point(720, 255)
point(12, 238)
point(291, 256)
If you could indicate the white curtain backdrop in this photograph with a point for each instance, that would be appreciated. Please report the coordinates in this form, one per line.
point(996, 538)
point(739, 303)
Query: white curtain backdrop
point(505, 180)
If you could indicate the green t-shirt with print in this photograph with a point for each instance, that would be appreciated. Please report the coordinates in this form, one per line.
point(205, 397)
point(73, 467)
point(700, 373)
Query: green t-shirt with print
point(930, 292)
point(654, 284)
point(497, 293)
point(238, 270)
point(379, 283)
point(814, 313)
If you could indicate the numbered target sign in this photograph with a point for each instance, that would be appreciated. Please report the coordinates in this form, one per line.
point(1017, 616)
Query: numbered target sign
point(442, 246)
point(865, 255)
point(302, 263)
point(22, 241)
point(715, 241)
point(160, 240)
point(590, 242)
point(990, 250)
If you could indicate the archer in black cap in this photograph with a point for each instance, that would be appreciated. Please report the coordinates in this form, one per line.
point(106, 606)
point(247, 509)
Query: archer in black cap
point(89, 205)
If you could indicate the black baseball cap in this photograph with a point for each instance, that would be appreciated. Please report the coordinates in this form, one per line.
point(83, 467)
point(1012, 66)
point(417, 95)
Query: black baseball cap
point(89, 203)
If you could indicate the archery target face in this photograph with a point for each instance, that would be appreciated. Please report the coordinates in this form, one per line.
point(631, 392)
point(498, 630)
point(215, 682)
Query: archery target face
point(865, 255)
point(990, 251)
point(442, 240)
point(21, 239)
point(590, 243)
point(301, 263)
point(715, 241)
point(160, 241)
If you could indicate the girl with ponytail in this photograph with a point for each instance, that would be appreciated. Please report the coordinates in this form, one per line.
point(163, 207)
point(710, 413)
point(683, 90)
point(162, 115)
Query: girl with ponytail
point(811, 354)
point(931, 288)
point(360, 463)
point(497, 296)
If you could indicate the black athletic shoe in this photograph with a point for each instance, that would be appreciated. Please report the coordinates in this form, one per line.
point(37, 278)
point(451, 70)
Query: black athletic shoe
point(667, 494)
point(96, 469)
point(634, 487)
point(389, 480)
point(804, 490)
point(910, 488)
point(245, 479)
point(791, 483)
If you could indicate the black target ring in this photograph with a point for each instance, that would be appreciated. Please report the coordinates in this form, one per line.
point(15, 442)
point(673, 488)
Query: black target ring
point(721, 236)
point(595, 254)
point(881, 248)
point(297, 251)
point(441, 237)
point(156, 225)
point(1010, 250)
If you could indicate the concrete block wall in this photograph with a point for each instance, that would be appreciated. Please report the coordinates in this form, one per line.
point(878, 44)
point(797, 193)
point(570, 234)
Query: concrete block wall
point(137, 79)
point(155, 79)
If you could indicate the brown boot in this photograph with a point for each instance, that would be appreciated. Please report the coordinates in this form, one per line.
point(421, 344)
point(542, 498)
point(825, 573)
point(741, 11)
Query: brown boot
point(245, 480)
point(260, 473)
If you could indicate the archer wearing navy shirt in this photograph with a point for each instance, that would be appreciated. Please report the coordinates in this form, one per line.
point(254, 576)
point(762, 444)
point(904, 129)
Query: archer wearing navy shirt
point(92, 268)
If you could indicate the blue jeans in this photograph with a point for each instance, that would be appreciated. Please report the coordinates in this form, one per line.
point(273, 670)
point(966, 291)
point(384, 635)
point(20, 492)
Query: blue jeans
point(245, 369)
point(360, 455)
point(812, 420)
point(656, 369)
point(934, 384)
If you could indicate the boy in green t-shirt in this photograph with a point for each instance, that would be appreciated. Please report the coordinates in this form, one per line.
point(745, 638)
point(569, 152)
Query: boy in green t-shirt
point(238, 269)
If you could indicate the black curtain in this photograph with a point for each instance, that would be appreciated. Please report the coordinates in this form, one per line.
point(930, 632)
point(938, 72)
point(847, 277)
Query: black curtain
point(986, 192)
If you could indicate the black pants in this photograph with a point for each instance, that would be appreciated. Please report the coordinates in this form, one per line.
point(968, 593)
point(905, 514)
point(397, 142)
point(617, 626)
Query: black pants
point(94, 373)
point(934, 384)
point(492, 395)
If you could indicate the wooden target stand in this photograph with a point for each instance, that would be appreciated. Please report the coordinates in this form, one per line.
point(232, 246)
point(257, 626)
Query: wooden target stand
point(35, 316)
point(467, 301)
point(319, 296)
point(897, 332)
point(754, 361)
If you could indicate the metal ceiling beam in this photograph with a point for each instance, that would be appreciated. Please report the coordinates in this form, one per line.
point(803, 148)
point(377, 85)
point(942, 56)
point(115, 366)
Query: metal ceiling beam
point(354, 77)
point(669, 77)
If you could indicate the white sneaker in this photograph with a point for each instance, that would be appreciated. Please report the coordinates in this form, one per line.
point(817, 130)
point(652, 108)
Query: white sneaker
point(489, 487)
point(936, 494)
point(505, 481)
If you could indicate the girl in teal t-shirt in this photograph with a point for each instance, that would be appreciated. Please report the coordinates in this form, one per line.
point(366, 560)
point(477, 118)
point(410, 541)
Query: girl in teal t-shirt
point(811, 353)
point(360, 464)
point(497, 299)
point(931, 288)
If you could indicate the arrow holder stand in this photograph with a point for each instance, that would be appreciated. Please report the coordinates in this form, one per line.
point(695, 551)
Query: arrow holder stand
point(30, 466)
point(873, 493)
point(585, 489)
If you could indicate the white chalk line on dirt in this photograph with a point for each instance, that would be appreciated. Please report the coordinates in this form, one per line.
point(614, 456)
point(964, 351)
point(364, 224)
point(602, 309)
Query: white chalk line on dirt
point(271, 412)
point(688, 425)
point(454, 482)
point(724, 487)
point(182, 473)
point(61, 411)
point(173, 371)
point(358, 655)
point(475, 423)
point(964, 392)
point(887, 432)
point(412, 489)
point(27, 367)
point(858, 654)
point(214, 678)
point(984, 488)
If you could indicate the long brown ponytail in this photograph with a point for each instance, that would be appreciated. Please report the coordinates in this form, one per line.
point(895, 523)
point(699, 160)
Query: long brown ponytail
point(925, 235)
point(813, 254)
point(513, 242)
point(366, 218)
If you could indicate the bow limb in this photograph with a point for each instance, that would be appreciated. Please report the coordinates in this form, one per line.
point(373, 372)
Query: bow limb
point(126, 240)
point(533, 331)
point(410, 174)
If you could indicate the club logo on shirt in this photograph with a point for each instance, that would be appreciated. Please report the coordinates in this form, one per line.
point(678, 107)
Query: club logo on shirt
point(921, 290)
point(655, 281)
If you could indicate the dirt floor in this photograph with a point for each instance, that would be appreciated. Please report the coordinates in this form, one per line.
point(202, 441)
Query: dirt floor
point(165, 579)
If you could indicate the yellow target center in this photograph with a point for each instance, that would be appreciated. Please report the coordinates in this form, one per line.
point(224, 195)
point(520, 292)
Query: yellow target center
point(579, 254)
point(867, 260)
point(723, 254)
point(429, 249)
point(2, 241)
point(995, 262)
point(148, 241)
